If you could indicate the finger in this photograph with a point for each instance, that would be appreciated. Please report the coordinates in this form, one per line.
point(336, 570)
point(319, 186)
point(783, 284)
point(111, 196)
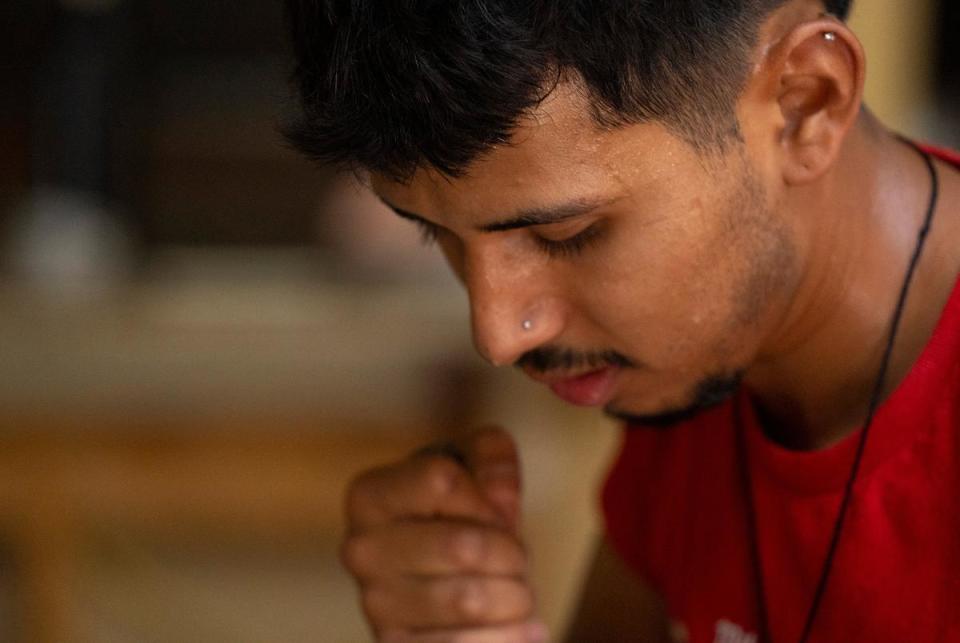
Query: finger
point(434, 548)
point(422, 487)
point(493, 459)
point(533, 632)
point(448, 602)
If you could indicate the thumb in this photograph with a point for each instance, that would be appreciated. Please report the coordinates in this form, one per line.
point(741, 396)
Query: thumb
point(493, 459)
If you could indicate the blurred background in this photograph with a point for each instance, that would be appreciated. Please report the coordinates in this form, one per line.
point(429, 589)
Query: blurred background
point(202, 336)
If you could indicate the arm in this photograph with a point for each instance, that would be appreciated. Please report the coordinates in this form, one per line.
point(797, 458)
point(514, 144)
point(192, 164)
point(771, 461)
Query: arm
point(616, 606)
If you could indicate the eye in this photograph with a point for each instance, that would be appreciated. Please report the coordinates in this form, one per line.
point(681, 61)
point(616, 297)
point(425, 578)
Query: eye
point(571, 246)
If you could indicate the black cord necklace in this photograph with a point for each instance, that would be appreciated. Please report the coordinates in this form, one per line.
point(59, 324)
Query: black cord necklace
point(875, 398)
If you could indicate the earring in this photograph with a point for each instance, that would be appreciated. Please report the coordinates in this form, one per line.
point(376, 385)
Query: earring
point(527, 324)
point(830, 36)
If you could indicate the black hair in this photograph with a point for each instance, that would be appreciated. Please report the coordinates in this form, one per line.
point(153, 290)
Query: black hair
point(395, 85)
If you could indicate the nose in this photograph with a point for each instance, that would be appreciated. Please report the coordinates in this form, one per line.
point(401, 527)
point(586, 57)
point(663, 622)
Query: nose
point(511, 309)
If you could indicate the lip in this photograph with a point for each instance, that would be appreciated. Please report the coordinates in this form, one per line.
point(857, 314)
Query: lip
point(593, 388)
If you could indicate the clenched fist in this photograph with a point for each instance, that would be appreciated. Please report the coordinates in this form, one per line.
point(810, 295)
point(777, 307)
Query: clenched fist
point(432, 542)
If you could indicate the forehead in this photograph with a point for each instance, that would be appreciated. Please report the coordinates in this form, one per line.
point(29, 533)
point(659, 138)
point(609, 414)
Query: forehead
point(557, 153)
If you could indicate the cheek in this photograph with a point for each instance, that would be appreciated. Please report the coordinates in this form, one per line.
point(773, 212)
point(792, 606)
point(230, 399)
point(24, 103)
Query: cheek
point(675, 295)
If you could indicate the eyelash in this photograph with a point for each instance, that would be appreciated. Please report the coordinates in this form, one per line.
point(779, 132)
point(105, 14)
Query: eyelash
point(566, 248)
point(572, 247)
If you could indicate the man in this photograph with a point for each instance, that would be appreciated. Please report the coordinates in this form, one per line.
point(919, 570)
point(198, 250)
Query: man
point(679, 212)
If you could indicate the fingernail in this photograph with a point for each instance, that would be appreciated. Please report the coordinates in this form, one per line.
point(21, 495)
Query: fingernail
point(538, 633)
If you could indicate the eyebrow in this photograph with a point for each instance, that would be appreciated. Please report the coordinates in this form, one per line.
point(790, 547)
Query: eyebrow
point(526, 218)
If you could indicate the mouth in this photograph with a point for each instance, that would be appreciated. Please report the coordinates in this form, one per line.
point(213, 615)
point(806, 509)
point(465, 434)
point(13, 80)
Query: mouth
point(592, 388)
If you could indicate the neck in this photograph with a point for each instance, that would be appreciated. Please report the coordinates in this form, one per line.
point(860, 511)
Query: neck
point(814, 377)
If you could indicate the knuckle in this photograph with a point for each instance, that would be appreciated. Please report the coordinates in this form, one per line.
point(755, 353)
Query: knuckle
point(494, 601)
point(364, 493)
point(440, 475)
point(356, 554)
point(470, 600)
point(467, 547)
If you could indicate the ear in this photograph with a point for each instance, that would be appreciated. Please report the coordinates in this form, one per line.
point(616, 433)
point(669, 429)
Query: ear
point(815, 76)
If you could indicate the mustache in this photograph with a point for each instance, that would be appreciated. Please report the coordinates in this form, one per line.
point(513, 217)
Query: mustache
point(552, 358)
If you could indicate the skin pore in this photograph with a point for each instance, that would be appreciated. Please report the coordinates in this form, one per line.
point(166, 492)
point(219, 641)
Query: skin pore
point(778, 259)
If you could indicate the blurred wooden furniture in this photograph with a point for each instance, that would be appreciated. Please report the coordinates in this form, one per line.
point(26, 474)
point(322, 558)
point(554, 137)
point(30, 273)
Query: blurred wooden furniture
point(238, 481)
point(228, 395)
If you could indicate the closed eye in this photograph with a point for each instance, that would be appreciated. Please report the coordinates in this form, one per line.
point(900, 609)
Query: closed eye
point(571, 246)
point(568, 247)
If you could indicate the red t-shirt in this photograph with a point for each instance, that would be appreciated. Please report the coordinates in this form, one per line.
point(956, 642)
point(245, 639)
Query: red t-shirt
point(675, 512)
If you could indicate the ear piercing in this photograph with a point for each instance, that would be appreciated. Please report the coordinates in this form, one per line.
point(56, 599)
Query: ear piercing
point(527, 324)
point(830, 36)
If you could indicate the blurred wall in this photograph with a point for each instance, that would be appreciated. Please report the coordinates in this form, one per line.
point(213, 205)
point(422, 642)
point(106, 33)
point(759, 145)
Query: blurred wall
point(900, 41)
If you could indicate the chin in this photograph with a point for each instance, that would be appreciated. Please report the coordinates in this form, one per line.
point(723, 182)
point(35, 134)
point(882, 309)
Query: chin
point(710, 392)
point(665, 419)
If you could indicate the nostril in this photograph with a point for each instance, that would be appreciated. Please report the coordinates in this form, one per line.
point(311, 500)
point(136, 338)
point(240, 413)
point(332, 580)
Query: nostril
point(508, 326)
point(491, 356)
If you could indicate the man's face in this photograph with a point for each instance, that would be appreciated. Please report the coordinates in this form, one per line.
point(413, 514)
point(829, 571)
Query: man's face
point(649, 274)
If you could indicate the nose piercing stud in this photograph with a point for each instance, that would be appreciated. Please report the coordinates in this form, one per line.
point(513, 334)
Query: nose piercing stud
point(527, 324)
